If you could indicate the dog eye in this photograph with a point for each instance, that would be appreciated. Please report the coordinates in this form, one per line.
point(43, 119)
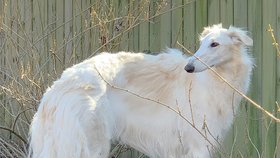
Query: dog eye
point(214, 44)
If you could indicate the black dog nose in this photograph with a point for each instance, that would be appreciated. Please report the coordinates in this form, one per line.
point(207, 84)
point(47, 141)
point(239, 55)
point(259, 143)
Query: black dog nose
point(189, 68)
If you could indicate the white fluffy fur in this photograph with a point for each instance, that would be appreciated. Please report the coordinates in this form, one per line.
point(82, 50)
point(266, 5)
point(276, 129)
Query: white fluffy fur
point(80, 115)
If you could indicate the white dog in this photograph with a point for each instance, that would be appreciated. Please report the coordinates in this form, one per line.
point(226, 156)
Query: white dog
point(131, 98)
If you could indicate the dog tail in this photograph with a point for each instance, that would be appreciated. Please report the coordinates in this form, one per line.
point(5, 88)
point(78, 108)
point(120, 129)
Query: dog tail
point(57, 129)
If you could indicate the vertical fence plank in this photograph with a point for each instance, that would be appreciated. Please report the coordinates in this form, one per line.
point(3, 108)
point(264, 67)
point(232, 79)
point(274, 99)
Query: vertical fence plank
point(13, 38)
point(2, 58)
point(189, 34)
point(277, 151)
point(60, 35)
point(83, 29)
point(95, 34)
point(240, 13)
point(132, 34)
point(144, 26)
point(86, 21)
point(136, 30)
point(28, 27)
point(39, 35)
point(11, 30)
point(50, 29)
point(31, 54)
point(6, 23)
point(2, 13)
point(165, 25)
point(22, 42)
point(123, 13)
point(2, 4)
point(254, 115)
point(239, 134)
point(226, 12)
point(77, 31)
point(201, 16)
point(116, 26)
point(268, 77)
point(154, 27)
point(45, 44)
point(134, 42)
point(213, 12)
point(177, 23)
point(22, 39)
point(68, 31)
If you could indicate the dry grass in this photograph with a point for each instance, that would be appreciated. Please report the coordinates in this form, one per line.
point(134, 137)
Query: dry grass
point(34, 53)
point(274, 41)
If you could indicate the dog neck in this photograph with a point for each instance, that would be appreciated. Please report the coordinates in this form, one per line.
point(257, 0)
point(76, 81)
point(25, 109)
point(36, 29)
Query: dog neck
point(237, 71)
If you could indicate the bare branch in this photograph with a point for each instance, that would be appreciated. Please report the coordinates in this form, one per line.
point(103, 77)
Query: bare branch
point(10, 130)
point(190, 88)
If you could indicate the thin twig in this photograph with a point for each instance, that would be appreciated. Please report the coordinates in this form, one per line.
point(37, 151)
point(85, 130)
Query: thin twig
point(134, 25)
point(190, 88)
point(10, 130)
point(11, 149)
point(254, 146)
point(232, 104)
point(235, 132)
point(275, 43)
point(14, 124)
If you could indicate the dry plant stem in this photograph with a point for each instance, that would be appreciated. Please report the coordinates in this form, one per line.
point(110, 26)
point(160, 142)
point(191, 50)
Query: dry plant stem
point(110, 40)
point(278, 107)
point(142, 155)
point(232, 87)
point(134, 25)
point(113, 150)
point(14, 124)
point(55, 29)
point(190, 89)
point(5, 151)
point(160, 103)
point(254, 146)
point(232, 103)
point(10, 130)
point(277, 146)
point(208, 130)
point(10, 149)
point(275, 43)
point(119, 151)
point(233, 143)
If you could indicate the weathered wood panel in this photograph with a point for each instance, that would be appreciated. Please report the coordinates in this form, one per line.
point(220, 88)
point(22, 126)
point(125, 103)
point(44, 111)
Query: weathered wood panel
point(255, 27)
point(40, 38)
point(268, 78)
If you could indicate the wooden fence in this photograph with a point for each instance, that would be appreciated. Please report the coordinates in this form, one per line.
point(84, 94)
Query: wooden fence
point(40, 38)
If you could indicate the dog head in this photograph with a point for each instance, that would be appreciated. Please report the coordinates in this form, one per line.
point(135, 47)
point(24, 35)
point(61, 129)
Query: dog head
point(217, 46)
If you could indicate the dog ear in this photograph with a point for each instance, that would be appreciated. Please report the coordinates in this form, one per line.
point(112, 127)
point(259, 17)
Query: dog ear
point(239, 36)
point(208, 29)
point(205, 32)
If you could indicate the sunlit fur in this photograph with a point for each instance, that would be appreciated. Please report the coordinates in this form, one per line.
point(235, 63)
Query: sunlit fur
point(80, 115)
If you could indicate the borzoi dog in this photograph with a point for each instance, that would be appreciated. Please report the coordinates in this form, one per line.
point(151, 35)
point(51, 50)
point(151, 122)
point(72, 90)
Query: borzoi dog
point(166, 105)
